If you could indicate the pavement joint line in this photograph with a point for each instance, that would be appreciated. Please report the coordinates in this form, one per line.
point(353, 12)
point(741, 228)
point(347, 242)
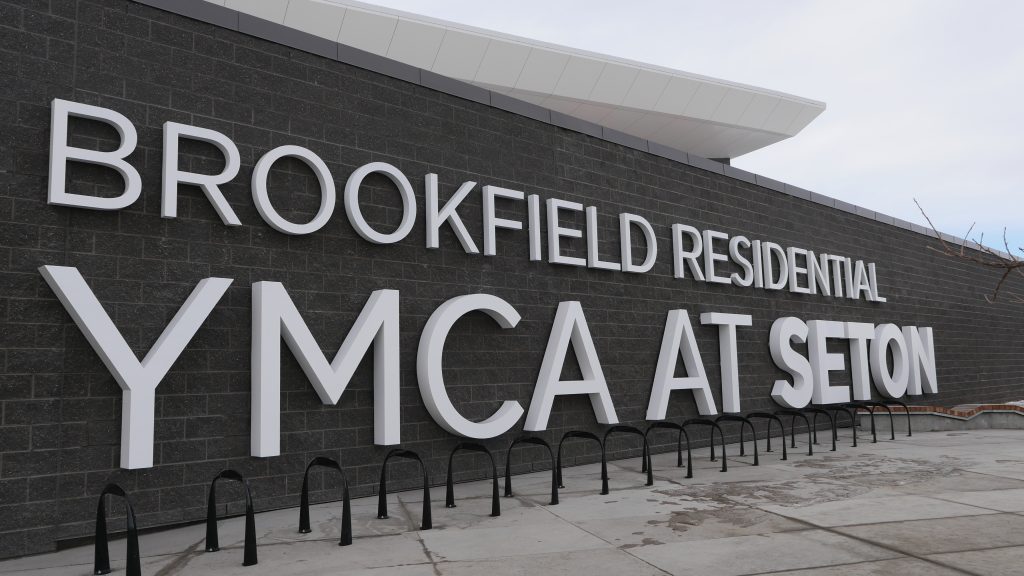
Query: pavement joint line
point(858, 524)
point(890, 548)
point(931, 497)
point(808, 569)
point(978, 505)
point(973, 471)
point(989, 548)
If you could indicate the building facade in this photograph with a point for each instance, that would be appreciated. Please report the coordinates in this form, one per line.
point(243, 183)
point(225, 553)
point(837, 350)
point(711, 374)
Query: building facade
point(265, 85)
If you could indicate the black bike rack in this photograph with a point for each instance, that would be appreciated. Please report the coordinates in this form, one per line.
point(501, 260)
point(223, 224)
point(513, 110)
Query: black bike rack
point(892, 422)
point(831, 421)
point(645, 457)
point(679, 443)
point(855, 407)
point(101, 561)
point(346, 506)
point(382, 490)
point(212, 542)
point(449, 499)
point(770, 418)
point(555, 471)
point(721, 437)
point(576, 434)
point(794, 414)
point(743, 422)
point(893, 402)
point(853, 421)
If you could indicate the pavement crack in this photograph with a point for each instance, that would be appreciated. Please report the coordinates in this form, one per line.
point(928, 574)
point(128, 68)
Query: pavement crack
point(408, 515)
point(419, 537)
point(179, 563)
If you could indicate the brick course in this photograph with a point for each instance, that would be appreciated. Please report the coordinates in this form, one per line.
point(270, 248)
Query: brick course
point(60, 425)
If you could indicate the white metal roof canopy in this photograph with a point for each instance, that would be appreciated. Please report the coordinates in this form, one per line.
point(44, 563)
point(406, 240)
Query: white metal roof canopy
point(701, 115)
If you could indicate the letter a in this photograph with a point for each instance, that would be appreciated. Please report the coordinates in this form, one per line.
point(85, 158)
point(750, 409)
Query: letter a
point(672, 344)
point(570, 325)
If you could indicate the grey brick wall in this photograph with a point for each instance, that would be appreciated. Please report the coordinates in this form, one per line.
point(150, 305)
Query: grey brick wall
point(61, 409)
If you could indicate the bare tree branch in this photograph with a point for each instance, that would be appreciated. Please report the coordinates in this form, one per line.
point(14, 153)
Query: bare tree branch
point(983, 255)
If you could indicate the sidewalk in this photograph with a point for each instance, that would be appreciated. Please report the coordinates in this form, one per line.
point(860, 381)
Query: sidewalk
point(936, 504)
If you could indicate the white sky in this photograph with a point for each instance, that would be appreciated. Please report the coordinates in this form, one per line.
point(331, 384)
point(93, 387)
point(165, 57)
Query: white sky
point(925, 97)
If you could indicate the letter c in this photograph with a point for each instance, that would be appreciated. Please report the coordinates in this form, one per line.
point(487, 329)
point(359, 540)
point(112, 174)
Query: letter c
point(431, 380)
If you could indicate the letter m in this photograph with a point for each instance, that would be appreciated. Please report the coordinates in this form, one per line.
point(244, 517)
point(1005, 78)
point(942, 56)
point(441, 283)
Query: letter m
point(274, 316)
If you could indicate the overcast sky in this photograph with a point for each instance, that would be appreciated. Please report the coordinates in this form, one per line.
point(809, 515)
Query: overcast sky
point(925, 98)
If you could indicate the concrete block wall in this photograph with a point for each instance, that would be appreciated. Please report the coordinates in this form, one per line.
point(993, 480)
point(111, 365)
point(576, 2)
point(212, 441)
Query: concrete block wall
point(60, 425)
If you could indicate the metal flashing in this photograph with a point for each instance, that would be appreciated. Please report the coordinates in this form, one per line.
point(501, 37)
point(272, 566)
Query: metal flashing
point(770, 183)
point(739, 174)
point(455, 87)
point(798, 192)
point(523, 108)
point(667, 152)
point(706, 164)
point(624, 139)
point(576, 124)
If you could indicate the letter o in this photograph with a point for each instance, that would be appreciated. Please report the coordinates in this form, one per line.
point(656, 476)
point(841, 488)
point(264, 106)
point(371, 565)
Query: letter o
point(262, 198)
point(890, 385)
point(355, 214)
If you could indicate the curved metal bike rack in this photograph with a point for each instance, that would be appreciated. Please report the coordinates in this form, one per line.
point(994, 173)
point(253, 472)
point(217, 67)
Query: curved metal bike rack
point(346, 506)
point(721, 437)
point(794, 414)
point(679, 443)
point(894, 402)
point(101, 559)
point(449, 498)
point(782, 429)
point(555, 472)
point(382, 490)
point(855, 406)
point(892, 422)
point(853, 421)
point(645, 456)
point(575, 434)
point(743, 422)
point(212, 542)
point(831, 421)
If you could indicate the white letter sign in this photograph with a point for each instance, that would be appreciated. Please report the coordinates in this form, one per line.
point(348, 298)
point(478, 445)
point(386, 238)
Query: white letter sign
point(60, 153)
point(428, 366)
point(570, 326)
point(678, 339)
point(138, 380)
point(210, 184)
point(274, 316)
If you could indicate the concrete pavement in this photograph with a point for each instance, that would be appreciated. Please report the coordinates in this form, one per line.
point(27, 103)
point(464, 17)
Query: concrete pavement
point(937, 504)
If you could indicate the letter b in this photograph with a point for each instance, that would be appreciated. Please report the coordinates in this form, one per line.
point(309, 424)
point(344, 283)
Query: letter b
point(61, 152)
